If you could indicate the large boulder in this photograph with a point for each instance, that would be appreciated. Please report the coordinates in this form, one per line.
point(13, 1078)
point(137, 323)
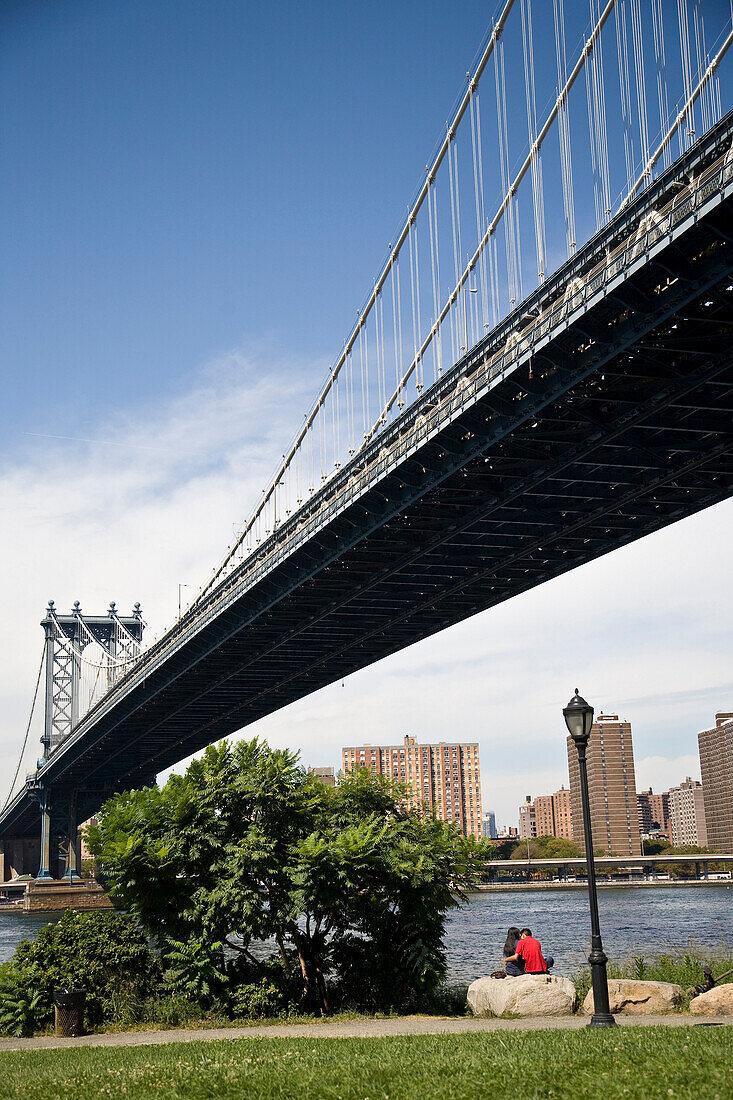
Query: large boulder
point(528, 995)
point(634, 998)
point(716, 1002)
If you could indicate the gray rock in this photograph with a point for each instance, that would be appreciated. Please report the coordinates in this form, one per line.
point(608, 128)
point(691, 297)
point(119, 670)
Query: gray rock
point(716, 1002)
point(635, 998)
point(528, 995)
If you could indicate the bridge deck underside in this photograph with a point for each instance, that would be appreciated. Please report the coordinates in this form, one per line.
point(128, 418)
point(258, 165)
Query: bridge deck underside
point(624, 426)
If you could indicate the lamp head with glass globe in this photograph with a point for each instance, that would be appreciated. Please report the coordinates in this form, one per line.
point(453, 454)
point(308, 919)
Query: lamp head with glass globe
point(578, 717)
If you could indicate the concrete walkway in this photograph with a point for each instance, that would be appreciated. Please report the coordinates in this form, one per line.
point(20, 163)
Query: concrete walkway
point(366, 1028)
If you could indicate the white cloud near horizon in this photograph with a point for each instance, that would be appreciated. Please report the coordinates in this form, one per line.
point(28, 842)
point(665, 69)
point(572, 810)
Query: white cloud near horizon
point(645, 631)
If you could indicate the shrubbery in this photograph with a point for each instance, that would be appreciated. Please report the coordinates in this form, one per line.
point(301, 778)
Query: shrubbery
point(106, 953)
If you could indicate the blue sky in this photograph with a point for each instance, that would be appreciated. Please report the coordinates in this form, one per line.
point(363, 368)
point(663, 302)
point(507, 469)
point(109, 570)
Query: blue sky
point(196, 198)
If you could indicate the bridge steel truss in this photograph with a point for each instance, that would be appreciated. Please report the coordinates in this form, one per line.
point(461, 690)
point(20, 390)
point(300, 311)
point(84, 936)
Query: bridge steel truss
point(597, 413)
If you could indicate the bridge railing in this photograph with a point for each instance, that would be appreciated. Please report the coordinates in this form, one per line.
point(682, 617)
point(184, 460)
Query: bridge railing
point(498, 354)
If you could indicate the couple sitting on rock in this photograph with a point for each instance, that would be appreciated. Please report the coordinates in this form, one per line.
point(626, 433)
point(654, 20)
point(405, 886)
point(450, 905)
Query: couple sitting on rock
point(523, 954)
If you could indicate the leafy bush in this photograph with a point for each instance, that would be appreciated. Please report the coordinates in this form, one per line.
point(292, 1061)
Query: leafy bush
point(169, 1010)
point(105, 953)
point(254, 1000)
point(21, 1009)
point(195, 969)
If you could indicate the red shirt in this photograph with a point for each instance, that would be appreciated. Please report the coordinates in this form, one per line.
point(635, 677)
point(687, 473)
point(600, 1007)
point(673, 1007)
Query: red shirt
point(530, 950)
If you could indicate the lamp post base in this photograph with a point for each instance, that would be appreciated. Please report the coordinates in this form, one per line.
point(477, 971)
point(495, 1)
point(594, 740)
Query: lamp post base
point(602, 1019)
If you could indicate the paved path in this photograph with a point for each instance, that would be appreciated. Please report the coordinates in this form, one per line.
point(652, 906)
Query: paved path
point(342, 1029)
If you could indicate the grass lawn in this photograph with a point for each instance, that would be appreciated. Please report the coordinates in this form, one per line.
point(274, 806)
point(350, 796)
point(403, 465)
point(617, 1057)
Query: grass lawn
point(638, 1062)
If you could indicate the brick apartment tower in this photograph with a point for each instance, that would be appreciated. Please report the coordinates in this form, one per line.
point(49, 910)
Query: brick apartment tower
point(446, 776)
point(653, 812)
point(611, 787)
point(687, 814)
point(552, 814)
point(716, 764)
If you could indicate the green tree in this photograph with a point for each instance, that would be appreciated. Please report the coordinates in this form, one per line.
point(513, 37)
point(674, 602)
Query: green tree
point(546, 847)
point(247, 847)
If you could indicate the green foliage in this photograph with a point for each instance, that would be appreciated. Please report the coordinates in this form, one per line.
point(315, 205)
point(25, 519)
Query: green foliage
point(253, 1000)
point(106, 953)
point(248, 847)
point(21, 1008)
point(169, 1010)
point(546, 847)
point(656, 847)
point(195, 969)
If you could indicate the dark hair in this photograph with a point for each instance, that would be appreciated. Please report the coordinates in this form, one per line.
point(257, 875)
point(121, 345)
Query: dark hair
point(526, 932)
point(511, 941)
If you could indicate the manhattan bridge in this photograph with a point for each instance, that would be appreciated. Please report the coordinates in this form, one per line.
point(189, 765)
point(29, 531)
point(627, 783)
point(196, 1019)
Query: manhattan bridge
point(542, 372)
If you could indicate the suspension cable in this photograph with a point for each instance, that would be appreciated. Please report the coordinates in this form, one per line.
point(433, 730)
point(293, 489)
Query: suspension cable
point(28, 727)
point(364, 313)
point(491, 228)
point(683, 114)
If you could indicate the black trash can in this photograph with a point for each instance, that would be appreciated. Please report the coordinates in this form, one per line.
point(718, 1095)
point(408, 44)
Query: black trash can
point(69, 1011)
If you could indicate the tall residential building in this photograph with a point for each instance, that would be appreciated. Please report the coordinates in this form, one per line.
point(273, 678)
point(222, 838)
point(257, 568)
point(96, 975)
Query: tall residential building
point(653, 812)
point(527, 823)
point(716, 764)
point(611, 787)
point(552, 814)
point(446, 776)
point(687, 814)
point(489, 825)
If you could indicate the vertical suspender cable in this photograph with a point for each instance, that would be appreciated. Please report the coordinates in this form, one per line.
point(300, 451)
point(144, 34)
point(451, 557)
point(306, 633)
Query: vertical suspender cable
point(683, 114)
point(686, 136)
point(564, 128)
point(400, 402)
point(509, 224)
point(397, 366)
point(538, 199)
point(637, 31)
point(707, 95)
point(661, 64)
point(433, 272)
point(478, 187)
point(625, 90)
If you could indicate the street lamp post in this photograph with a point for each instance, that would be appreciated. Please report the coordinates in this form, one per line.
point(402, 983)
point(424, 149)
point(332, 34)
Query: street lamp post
point(579, 718)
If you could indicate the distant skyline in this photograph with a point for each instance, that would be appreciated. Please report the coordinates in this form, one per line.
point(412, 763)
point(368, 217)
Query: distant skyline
point(197, 196)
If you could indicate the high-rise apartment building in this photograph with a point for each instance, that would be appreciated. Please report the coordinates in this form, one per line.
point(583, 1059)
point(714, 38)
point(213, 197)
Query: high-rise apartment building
point(446, 776)
point(653, 812)
point(552, 814)
point(611, 787)
point(687, 814)
point(489, 825)
point(527, 823)
point(716, 765)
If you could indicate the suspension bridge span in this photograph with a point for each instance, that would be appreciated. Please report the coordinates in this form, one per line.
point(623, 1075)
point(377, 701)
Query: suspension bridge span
point(597, 409)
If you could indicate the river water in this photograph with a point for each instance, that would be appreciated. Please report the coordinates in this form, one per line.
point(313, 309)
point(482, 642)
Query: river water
point(634, 921)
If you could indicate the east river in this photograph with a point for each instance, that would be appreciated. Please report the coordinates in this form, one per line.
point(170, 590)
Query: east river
point(634, 921)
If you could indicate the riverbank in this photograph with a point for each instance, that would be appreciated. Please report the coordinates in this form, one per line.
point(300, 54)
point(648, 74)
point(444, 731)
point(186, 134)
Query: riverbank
point(508, 887)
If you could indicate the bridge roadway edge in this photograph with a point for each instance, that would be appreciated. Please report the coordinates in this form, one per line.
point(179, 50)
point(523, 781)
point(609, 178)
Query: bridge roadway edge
point(448, 453)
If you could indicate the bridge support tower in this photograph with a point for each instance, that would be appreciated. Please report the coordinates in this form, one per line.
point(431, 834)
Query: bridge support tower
point(67, 636)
